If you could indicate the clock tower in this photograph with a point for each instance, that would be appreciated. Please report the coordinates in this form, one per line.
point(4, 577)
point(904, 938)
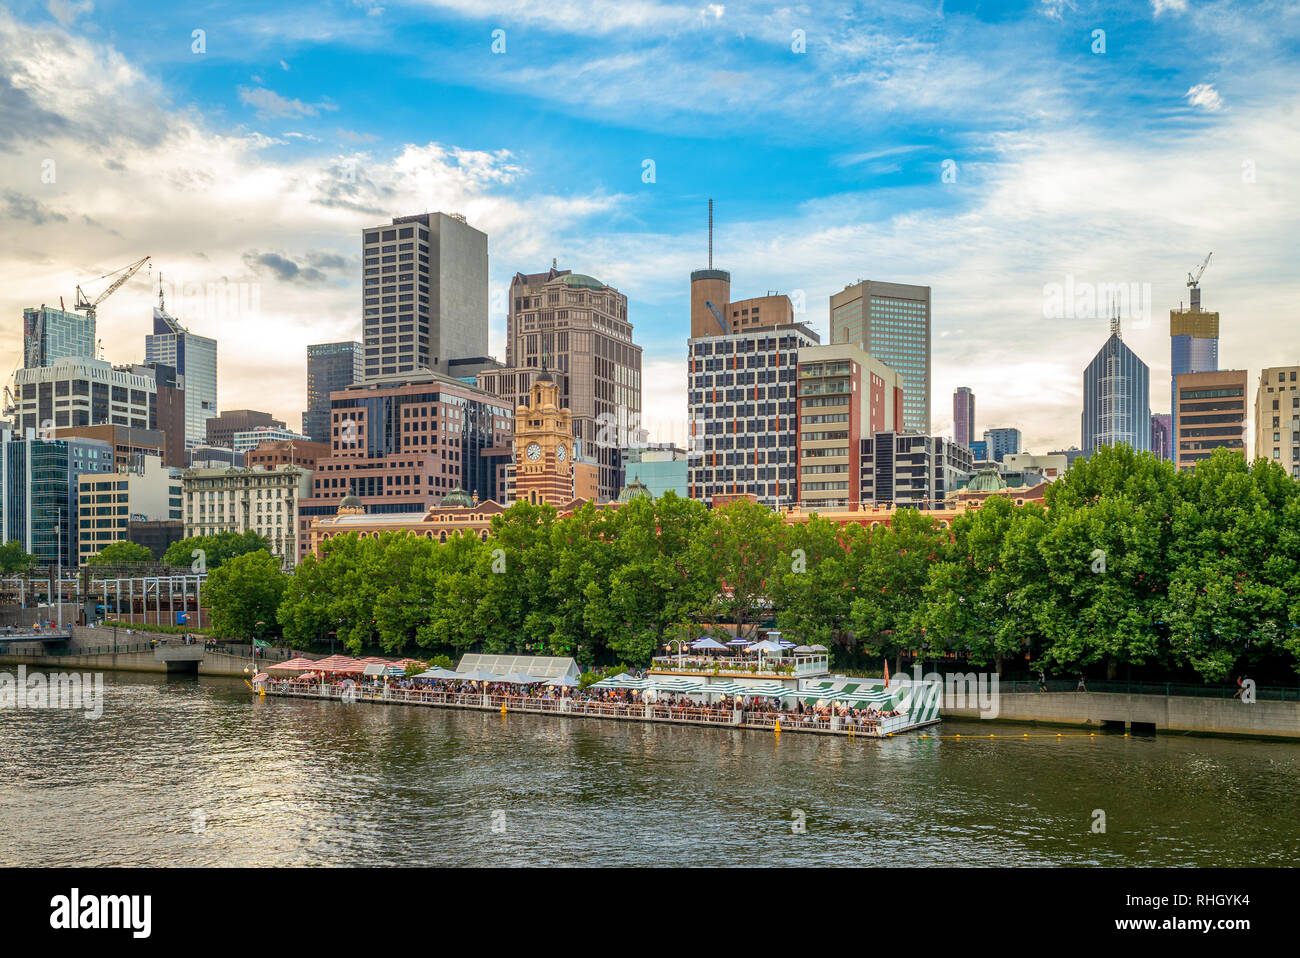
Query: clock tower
point(544, 445)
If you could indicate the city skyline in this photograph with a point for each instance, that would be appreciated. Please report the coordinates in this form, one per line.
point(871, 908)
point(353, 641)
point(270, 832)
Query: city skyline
point(275, 166)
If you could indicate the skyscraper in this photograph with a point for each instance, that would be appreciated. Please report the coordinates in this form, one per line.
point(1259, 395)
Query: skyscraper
point(194, 358)
point(891, 321)
point(744, 422)
point(1193, 344)
point(582, 326)
point(330, 366)
point(963, 415)
point(424, 293)
point(1116, 397)
point(50, 335)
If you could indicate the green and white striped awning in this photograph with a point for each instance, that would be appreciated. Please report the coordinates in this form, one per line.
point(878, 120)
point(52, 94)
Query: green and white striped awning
point(678, 686)
point(622, 681)
point(771, 690)
point(875, 695)
point(725, 688)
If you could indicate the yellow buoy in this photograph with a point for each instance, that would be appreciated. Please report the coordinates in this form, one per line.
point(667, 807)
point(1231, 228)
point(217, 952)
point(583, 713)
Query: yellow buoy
point(777, 730)
point(503, 708)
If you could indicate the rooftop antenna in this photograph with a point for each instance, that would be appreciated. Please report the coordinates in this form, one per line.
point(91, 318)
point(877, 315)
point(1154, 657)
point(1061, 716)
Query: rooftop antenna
point(710, 233)
point(160, 293)
point(1114, 321)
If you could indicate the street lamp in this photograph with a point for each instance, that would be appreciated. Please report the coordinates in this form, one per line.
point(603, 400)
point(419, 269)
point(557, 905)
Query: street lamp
point(681, 643)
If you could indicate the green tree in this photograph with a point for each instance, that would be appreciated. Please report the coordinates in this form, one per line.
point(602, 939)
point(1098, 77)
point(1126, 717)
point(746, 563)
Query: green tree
point(244, 591)
point(121, 553)
point(216, 549)
point(738, 553)
point(13, 558)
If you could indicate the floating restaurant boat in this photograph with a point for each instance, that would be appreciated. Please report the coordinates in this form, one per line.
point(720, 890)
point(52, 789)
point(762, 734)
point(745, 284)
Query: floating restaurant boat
point(827, 705)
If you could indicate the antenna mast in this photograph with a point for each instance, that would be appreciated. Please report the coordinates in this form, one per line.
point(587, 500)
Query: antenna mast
point(710, 233)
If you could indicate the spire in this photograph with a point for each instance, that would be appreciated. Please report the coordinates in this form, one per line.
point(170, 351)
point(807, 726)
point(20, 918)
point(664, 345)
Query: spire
point(161, 308)
point(1114, 321)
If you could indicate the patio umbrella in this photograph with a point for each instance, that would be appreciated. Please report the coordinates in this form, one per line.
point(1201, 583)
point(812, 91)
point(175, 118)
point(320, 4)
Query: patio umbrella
point(396, 671)
point(738, 642)
point(613, 682)
point(820, 648)
point(260, 677)
point(444, 674)
point(678, 686)
point(564, 682)
point(804, 648)
point(767, 645)
point(786, 644)
point(707, 643)
point(518, 678)
point(637, 684)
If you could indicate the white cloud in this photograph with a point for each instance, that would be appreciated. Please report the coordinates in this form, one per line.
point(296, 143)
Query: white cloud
point(66, 12)
point(1205, 96)
point(1160, 6)
point(268, 103)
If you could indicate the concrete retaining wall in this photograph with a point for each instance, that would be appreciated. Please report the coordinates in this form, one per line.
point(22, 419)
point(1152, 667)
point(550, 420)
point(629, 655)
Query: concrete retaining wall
point(1171, 713)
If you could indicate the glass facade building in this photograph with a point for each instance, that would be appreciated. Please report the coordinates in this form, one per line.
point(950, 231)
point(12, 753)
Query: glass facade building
point(39, 479)
point(1116, 399)
point(194, 358)
point(330, 366)
point(50, 335)
point(891, 321)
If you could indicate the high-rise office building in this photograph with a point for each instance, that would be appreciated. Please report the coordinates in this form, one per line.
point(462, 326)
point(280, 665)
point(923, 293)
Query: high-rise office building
point(401, 444)
point(1193, 345)
point(1277, 417)
point(1116, 397)
point(330, 366)
point(194, 358)
point(38, 491)
point(51, 335)
point(83, 392)
point(581, 325)
point(1162, 435)
point(1001, 442)
point(891, 321)
point(265, 501)
point(110, 502)
point(1211, 414)
point(963, 416)
point(845, 394)
point(249, 440)
point(742, 404)
point(424, 293)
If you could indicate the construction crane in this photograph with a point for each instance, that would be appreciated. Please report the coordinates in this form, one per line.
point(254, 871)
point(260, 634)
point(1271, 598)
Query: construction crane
point(1194, 281)
point(88, 306)
point(722, 320)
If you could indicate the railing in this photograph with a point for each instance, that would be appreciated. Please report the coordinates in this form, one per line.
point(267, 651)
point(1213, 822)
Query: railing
point(771, 666)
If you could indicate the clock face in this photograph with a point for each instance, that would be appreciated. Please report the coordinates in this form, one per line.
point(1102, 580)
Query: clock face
point(534, 451)
point(560, 452)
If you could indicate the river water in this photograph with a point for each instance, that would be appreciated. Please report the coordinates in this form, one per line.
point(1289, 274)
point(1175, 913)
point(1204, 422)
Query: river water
point(183, 771)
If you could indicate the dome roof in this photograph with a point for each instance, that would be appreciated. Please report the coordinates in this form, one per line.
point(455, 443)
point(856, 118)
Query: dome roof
point(458, 498)
point(986, 480)
point(350, 504)
point(581, 280)
point(634, 490)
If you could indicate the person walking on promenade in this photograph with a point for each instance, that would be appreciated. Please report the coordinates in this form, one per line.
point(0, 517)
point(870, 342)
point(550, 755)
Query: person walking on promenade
point(1082, 686)
point(1042, 681)
point(1241, 687)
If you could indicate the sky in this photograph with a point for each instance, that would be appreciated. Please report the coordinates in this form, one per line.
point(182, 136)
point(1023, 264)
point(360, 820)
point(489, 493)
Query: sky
point(999, 153)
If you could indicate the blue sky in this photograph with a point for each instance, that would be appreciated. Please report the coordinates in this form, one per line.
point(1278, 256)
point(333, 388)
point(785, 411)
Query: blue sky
point(1105, 160)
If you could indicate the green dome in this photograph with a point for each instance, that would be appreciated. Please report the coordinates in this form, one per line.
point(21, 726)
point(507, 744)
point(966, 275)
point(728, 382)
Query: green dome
point(634, 490)
point(458, 498)
point(351, 502)
point(986, 480)
point(582, 280)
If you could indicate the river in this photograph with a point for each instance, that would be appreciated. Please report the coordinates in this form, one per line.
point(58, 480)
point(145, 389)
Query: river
point(184, 771)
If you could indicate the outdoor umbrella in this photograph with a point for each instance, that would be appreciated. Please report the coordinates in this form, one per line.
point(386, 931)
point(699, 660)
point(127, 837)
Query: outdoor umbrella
point(439, 673)
point(518, 678)
point(395, 671)
point(613, 682)
point(739, 642)
point(707, 643)
point(820, 648)
point(635, 684)
point(564, 682)
point(480, 675)
point(804, 648)
point(770, 690)
point(679, 686)
point(767, 645)
point(260, 677)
